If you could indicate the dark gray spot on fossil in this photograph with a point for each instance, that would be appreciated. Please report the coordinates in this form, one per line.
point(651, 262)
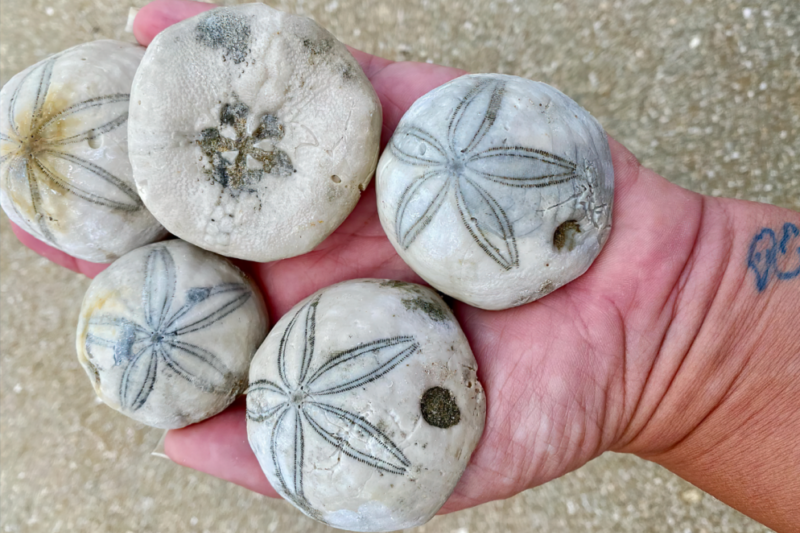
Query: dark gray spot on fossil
point(238, 164)
point(439, 408)
point(227, 31)
point(432, 309)
point(347, 71)
point(318, 47)
point(566, 234)
point(397, 284)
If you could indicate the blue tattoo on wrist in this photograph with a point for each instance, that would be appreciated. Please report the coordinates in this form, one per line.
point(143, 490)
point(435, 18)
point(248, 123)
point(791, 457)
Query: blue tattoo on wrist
point(771, 257)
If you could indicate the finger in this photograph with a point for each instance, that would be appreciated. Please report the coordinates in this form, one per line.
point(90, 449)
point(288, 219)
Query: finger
point(218, 446)
point(400, 84)
point(57, 256)
point(161, 14)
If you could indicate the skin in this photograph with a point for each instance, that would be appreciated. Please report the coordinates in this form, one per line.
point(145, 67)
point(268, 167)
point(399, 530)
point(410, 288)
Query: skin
point(665, 348)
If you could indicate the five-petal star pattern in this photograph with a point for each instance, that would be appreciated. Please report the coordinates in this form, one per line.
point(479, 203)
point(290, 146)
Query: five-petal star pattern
point(238, 160)
point(465, 163)
point(301, 406)
point(143, 347)
point(39, 142)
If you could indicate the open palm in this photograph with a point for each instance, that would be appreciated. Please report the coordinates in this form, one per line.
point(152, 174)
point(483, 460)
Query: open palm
point(564, 376)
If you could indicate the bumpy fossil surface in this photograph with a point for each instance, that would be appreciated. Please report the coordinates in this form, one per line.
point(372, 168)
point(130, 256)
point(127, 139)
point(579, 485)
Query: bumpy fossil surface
point(364, 406)
point(496, 190)
point(65, 176)
point(167, 332)
point(252, 132)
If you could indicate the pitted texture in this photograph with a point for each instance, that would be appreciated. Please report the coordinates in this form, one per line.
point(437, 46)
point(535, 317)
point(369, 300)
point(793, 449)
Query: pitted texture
point(253, 132)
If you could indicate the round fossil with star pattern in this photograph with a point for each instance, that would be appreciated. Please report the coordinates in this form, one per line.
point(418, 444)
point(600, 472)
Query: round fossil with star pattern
point(364, 406)
point(496, 190)
point(65, 176)
point(253, 132)
point(167, 332)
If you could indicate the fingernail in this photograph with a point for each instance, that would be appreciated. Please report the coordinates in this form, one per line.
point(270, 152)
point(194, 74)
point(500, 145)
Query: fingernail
point(159, 450)
point(131, 16)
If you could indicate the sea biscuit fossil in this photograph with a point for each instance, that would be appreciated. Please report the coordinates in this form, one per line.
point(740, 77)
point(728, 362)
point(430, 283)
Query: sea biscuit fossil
point(65, 176)
point(167, 332)
point(253, 132)
point(496, 190)
point(364, 405)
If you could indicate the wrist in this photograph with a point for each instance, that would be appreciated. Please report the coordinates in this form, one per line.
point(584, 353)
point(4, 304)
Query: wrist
point(726, 410)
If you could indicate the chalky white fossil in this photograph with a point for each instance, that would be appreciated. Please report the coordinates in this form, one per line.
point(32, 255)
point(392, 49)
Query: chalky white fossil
point(167, 332)
point(252, 132)
point(496, 190)
point(364, 406)
point(65, 176)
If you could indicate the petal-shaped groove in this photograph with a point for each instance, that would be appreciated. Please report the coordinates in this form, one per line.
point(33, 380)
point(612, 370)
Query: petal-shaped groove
point(415, 146)
point(90, 105)
point(310, 309)
point(265, 385)
point(518, 166)
point(397, 460)
point(488, 97)
point(82, 193)
point(309, 338)
point(290, 474)
point(487, 223)
point(381, 357)
point(139, 378)
point(159, 287)
point(299, 453)
point(6, 151)
point(346, 445)
point(36, 202)
point(276, 463)
point(41, 92)
point(113, 181)
point(200, 313)
point(124, 335)
point(12, 104)
point(266, 414)
point(18, 188)
point(93, 133)
point(196, 365)
point(418, 205)
point(270, 398)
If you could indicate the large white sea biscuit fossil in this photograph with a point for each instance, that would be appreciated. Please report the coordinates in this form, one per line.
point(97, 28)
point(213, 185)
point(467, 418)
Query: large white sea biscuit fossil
point(252, 132)
point(167, 332)
point(65, 176)
point(364, 406)
point(496, 190)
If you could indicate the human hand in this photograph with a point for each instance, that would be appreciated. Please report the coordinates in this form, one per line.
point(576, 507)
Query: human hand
point(579, 372)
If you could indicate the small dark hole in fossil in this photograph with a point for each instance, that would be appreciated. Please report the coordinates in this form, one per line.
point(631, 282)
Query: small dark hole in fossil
point(566, 234)
point(336, 179)
point(439, 408)
point(94, 142)
point(361, 187)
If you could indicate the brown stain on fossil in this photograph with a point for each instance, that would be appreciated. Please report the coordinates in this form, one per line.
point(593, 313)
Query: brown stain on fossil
point(439, 408)
point(566, 235)
point(434, 311)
